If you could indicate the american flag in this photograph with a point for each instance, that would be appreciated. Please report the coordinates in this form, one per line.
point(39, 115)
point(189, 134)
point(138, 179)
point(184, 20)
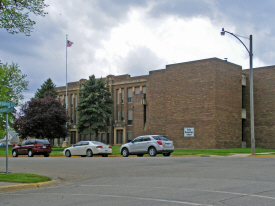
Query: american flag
point(69, 43)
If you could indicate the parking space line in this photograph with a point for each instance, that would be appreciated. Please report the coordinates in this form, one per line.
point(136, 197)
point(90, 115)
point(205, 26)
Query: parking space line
point(119, 196)
point(212, 191)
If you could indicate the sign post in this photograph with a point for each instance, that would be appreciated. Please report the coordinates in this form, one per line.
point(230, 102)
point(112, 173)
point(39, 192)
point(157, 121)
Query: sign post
point(8, 107)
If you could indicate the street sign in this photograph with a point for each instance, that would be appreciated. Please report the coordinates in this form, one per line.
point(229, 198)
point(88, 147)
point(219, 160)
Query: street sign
point(8, 109)
point(7, 104)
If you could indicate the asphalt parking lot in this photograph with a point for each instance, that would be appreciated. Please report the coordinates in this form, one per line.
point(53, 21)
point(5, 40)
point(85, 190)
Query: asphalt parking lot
point(146, 181)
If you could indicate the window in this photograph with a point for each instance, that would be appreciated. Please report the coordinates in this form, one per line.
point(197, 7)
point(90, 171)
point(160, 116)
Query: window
point(117, 117)
point(130, 95)
point(144, 90)
point(42, 141)
point(117, 96)
point(72, 100)
point(75, 100)
point(137, 90)
point(122, 96)
point(84, 143)
point(130, 117)
point(23, 143)
point(138, 139)
point(130, 136)
point(146, 139)
point(122, 115)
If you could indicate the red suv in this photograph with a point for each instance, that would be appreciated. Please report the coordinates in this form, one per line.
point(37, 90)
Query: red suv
point(33, 147)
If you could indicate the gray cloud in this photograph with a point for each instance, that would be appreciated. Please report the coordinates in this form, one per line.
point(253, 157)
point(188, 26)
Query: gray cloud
point(89, 23)
point(140, 61)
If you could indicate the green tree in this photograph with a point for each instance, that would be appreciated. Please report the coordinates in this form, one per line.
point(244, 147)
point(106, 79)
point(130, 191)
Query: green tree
point(15, 15)
point(94, 107)
point(12, 85)
point(42, 118)
point(47, 89)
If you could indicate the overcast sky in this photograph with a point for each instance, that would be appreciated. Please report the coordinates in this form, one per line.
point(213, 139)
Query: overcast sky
point(136, 36)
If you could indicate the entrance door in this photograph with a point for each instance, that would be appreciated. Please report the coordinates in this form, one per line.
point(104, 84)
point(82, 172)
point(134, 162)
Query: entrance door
point(119, 136)
point(73, 137)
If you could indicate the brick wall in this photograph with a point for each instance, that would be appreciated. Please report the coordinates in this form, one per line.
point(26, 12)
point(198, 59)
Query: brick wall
point(228, 105)
point(205, 95)
point(264, 110)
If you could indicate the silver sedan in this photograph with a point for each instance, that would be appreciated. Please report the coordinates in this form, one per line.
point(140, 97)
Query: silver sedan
point(148, 144)
point(88, 148)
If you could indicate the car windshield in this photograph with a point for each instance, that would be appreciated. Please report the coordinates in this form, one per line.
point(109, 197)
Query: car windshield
point(98, 143)
point(42, 141)
point(160, 137)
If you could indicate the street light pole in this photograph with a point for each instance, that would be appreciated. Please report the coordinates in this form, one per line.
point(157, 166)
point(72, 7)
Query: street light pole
point(251, 86)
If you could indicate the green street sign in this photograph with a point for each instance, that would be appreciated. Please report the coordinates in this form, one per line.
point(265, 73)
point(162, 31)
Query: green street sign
point(7, 104)
point(8, 109)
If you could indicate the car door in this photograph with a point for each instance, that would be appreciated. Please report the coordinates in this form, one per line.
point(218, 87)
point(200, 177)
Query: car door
point(83, 148)
point(22, 147)
point(145, 144)
point(76, 150)
point(135, 145)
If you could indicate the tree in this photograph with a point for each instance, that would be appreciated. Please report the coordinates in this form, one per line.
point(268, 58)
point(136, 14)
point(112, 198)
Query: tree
point(94, 107)
point(15, 15)
point(12, 85)
point(47, 89)
point(42, 118)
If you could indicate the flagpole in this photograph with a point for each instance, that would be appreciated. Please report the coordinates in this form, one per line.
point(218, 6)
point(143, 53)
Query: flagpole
point(66, 77)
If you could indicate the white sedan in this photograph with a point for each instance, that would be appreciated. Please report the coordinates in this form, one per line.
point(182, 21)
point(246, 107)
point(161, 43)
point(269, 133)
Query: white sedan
point(88, 148)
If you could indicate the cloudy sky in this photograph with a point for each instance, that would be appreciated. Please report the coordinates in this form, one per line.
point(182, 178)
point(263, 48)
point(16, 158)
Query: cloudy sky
point(136, 36)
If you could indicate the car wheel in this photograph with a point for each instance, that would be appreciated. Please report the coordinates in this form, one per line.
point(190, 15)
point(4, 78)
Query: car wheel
point(152, 151)
point(166, 154)
point(140, 155)
point(30, 154)
point(68, 153)
point(105, 155)
point(14, 153)
point(125, 152)
point(46, 155)
point(89, 153)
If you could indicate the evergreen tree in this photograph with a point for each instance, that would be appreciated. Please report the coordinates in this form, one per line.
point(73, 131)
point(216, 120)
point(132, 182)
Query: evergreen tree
point(47, 89)
point(94, 107)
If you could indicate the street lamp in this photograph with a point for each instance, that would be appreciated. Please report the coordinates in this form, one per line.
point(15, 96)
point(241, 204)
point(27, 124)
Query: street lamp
point(251, 85)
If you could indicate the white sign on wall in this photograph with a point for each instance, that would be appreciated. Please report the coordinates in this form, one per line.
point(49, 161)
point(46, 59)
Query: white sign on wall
point(189, 132)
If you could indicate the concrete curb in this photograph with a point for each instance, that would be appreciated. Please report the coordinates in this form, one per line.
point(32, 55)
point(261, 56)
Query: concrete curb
point(10, 188)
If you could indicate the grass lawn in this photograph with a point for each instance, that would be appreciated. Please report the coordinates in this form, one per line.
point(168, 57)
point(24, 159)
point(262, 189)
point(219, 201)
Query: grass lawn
point(58, 151)
point(23, 178)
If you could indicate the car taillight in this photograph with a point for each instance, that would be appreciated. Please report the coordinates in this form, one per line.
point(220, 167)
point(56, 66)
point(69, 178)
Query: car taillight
point(99, 147)
point(110, 147)
point(159, 142)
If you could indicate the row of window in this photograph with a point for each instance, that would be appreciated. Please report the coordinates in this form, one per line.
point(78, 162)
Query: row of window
point(129, 94)
point(72, 100)
point(120, 116)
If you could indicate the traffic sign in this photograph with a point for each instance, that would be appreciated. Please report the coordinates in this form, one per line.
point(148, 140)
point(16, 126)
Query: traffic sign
point(7, 109)
point(7, 104)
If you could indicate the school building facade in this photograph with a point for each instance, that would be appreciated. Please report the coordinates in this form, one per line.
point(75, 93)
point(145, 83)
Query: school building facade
point(198, 104)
